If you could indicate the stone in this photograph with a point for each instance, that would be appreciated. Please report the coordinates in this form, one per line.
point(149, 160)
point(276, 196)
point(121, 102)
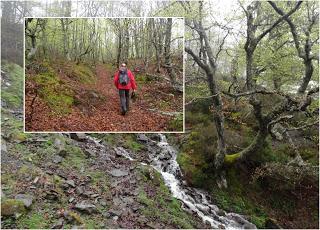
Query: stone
point(71, 199)
point(128, 200)
point(103, 202)
point(57, 159)
point(52, 195)
point(3, 146)
point(142, 137)
point(78, 136)
point(80, 190)
point(86, 206)
point(119, 172)
point(89, 153)
point(220, 212)
point(95, 195)
point(35, 181)
point(26, 199)
point(72, 217)
point(60, 145)
point(12, 207)
point(113, 212)
point(59, 224)
point(71, 183)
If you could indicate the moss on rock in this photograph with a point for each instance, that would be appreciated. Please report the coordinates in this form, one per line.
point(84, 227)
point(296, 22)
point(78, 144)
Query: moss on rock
point(10, 207)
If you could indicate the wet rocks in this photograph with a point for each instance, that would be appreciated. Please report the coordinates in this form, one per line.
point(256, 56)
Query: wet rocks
point(119, 172)
point(85, 206)
point(26, 199)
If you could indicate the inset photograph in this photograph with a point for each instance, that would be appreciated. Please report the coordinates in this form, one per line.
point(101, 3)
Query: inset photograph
point(104, 75)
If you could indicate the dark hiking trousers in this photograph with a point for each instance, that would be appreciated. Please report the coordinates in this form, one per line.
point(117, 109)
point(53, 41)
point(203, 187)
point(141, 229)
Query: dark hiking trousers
point(124, 100)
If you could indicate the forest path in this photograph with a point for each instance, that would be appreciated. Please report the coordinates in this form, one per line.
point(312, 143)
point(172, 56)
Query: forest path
point(97, 108)
point(107, 115)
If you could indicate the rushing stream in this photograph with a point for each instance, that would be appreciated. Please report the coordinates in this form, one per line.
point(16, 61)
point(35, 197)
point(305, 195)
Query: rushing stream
point(194, 200)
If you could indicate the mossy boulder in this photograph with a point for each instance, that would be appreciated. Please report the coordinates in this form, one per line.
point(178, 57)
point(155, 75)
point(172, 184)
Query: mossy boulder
point(11, 207)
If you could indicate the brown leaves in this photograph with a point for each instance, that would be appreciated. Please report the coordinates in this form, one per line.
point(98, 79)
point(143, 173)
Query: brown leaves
point(104, 113)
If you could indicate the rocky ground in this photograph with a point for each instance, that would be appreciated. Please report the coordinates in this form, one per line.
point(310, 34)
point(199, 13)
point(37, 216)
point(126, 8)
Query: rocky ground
point(73, 181)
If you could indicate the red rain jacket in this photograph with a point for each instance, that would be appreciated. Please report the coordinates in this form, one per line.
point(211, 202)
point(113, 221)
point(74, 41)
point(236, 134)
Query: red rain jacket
point(131, 85)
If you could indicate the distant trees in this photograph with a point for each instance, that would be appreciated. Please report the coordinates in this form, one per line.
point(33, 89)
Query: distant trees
point(100, 39)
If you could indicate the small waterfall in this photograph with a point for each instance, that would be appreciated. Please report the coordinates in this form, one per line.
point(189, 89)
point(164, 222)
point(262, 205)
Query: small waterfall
point(193, 199)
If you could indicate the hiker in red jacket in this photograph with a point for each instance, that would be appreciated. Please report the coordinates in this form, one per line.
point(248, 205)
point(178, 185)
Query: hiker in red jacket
point(124, 81)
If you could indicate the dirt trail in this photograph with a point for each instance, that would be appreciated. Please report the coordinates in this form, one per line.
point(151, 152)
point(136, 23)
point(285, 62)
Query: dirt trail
point(104, 116)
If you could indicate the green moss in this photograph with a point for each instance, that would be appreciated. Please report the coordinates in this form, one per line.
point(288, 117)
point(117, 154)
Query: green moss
point(75, 157)
point(132, 144)
point(310, 154)
point(11, 207)
point(33, 221)
point(13, 94)
point(141, 79)
point(176, 124)
point(54, 92)
point(82, 73)
point(99, 180)
point(259, 221)
point(231, 158)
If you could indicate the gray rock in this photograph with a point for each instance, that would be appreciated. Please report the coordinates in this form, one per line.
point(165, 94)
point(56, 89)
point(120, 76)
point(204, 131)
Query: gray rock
point(142, 137)
point(89, 153)
point(60, 145)
point(59, 224)
point(78, 136)
point(128, 200)
point(71, 183)
point(103, 202)
point(119, 172)
point(71, 199)
point(80, 190)
point(113, 212)
point(3, 146)
point(86, 206)
point(26, 199)
point(57, 159)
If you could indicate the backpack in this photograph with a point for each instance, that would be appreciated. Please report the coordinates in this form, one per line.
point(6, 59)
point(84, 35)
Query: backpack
point(123, 78)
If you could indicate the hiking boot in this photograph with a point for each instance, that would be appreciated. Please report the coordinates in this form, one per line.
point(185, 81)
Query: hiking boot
point(123, 112)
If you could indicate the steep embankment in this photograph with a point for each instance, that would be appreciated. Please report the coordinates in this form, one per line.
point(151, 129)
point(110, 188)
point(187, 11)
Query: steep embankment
point(94, 105)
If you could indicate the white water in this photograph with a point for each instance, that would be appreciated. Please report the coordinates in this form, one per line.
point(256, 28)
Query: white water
point(194, 199)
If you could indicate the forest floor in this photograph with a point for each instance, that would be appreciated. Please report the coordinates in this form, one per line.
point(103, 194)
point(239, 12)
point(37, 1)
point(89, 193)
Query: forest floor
point(96, 105)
